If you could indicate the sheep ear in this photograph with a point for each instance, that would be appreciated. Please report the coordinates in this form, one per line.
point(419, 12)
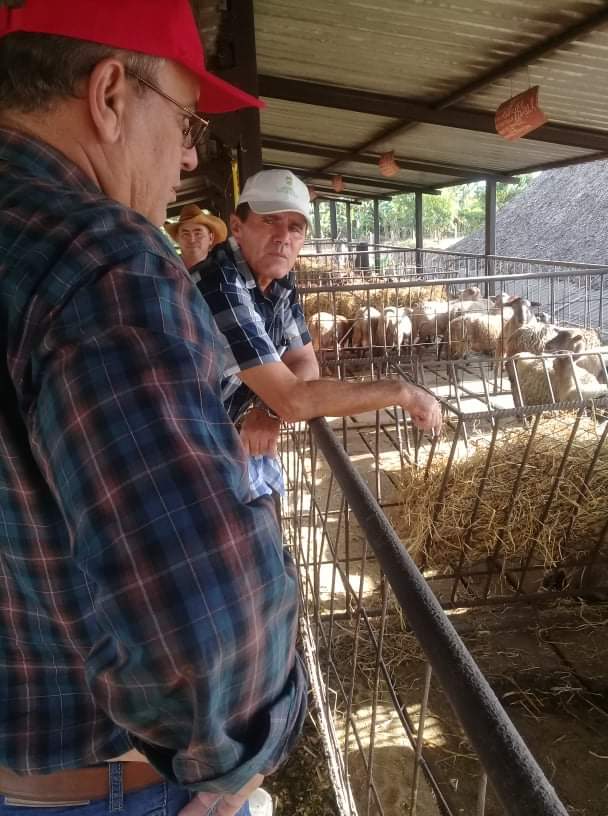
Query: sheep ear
point(577, 338)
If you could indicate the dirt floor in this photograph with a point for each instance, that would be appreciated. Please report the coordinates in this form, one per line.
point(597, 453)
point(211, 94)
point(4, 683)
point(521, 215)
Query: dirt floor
point(302, 786)
point(549, 669)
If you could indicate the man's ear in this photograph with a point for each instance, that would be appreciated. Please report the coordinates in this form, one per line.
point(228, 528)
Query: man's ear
point(107, 97)
point(235, 225)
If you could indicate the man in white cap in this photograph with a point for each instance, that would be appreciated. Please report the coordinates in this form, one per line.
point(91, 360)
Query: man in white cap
point(147, 614)
point(271, 371)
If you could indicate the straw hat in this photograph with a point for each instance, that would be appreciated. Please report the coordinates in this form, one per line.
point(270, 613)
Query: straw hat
point(192, 214)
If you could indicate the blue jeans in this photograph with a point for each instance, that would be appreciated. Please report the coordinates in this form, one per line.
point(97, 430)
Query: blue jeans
point(157, 800)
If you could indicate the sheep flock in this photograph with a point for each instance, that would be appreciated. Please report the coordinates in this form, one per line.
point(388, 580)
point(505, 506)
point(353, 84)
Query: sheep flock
point(546, 363)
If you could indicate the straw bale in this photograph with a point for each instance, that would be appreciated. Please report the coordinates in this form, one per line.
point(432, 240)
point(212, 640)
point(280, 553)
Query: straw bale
point(344, 303)
point(438, 536)
point(312, 263)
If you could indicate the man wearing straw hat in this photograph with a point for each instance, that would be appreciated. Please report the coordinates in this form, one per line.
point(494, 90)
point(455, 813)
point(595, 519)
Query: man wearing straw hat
point(147, 613)
point(271, 371)
point(196, 232)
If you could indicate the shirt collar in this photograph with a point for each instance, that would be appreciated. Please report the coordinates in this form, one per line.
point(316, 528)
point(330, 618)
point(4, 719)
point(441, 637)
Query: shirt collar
point(241, 263)
point(42, 160)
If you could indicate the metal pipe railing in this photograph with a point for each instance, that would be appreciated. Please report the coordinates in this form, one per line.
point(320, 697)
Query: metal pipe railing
point(456, 280)
point(518, 780)
point(577, 266)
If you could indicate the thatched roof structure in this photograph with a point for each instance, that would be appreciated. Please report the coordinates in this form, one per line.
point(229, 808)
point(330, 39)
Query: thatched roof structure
point(561, 216)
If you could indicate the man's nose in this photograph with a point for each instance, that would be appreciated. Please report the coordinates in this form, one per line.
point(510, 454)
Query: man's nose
point(281, 233)
point(189, 159)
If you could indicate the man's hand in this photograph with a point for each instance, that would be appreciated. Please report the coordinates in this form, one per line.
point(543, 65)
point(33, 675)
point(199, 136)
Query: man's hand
point(423, 408)
point(227, 804)
point(260, 433)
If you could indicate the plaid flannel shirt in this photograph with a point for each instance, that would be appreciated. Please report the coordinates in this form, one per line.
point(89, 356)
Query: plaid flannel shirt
point(143, 600)
point(258, 328)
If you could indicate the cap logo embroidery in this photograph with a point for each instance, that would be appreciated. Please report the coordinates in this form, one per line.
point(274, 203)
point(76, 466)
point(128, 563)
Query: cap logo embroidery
point(287, 186)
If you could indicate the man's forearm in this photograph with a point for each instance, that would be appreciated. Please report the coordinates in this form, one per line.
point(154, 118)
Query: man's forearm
point(295, 399)
point(327, 397)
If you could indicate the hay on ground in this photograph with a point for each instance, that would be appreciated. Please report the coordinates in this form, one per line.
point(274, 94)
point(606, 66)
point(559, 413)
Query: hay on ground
point(438, 533)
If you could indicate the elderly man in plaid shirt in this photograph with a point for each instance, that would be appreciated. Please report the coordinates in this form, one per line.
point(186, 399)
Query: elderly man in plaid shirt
point(271, 371)
point(147, 610)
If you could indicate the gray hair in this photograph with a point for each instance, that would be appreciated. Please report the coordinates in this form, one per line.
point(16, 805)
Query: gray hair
point(38, 70)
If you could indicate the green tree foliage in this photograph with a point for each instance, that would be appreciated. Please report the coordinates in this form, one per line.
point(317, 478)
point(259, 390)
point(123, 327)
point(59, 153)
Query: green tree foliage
point(453, 214)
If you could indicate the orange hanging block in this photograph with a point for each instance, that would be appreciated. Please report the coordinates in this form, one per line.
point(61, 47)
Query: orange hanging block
point(337, 183)
point(519, 115)
point(387, 164)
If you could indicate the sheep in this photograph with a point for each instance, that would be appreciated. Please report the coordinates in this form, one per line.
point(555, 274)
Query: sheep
point(366, 327)
point(425, 315)
point(502, 298)
point(520, 315)
point(532, 337)
point(483, 305)
point(474, 332)
point(431, 318)
point(494, 325)
point(574, 340)
point(574, 383)
point(429, 328)
point(326, 330)
point(532, 379)
point(395, 328)
point(470, 293)
point(595, 361)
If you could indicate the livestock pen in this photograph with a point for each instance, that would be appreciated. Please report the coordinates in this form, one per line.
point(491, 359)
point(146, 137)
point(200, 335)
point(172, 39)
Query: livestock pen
point(501, 522)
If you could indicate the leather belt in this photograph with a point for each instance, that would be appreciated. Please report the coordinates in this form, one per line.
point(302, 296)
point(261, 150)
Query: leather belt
point(80, 784)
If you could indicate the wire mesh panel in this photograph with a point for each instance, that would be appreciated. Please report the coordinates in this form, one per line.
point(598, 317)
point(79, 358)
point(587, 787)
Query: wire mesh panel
point(504, 514)
point(396, 745)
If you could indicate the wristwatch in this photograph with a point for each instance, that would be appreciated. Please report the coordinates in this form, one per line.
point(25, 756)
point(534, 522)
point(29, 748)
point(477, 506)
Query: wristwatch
point(268, 411)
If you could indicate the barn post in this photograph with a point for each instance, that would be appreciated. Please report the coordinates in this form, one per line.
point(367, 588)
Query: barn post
point(419, 234)
point(490, 245)
point(250, 149)
point(377, 234)
point(333, 220)
point(238, 131)
point(349, 225)
point(317, 213)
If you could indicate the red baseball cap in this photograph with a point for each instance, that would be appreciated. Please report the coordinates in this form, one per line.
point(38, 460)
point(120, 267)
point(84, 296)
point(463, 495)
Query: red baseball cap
point(159, 28)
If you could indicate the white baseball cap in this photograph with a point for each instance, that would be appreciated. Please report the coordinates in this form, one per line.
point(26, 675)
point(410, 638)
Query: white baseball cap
point(276, 191)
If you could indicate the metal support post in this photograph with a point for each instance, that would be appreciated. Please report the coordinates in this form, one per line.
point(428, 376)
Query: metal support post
point(490, 247)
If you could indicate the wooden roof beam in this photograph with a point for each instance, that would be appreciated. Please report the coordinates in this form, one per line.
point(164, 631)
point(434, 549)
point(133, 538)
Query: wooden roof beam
point(329, 193)
point(532, 168)
point(337, 199)
point(420, 165)
point(353, 99)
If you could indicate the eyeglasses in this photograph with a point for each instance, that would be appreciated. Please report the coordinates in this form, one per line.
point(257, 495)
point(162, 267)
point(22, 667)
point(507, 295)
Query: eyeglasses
point(197, 126)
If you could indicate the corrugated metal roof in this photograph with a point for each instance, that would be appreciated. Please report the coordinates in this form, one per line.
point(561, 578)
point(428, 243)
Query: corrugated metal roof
point(314, 123)
point(347, 80)
point(424, 52)
point(407, 48)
